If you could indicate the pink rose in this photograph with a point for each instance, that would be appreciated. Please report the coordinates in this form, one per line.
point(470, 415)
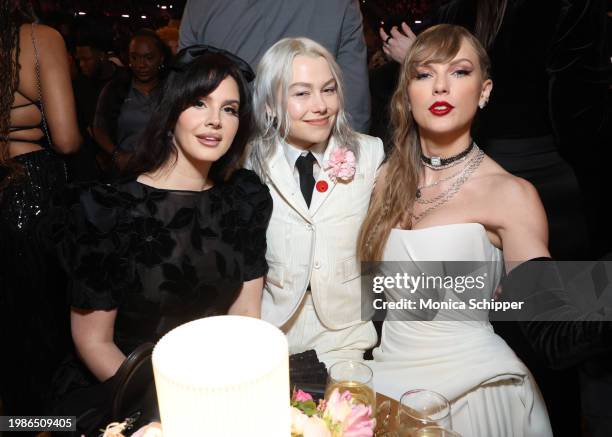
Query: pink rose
point(316, 427)
point(359, 423)
point(338, 406)
point(302, 396)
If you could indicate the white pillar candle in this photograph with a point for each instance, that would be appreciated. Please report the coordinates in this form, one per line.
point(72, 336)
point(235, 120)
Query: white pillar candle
point(223, 376)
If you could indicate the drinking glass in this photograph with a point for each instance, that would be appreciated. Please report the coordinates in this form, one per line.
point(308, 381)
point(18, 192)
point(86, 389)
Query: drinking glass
point(356, 377)
point(422, 408)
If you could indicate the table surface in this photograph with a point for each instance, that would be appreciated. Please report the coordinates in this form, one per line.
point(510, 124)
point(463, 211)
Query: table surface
point(380, 398)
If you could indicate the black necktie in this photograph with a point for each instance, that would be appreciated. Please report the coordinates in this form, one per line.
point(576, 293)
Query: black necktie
point(307, 181)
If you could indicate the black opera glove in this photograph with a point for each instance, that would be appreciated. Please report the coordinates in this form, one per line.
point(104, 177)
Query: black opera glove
point(560, 332)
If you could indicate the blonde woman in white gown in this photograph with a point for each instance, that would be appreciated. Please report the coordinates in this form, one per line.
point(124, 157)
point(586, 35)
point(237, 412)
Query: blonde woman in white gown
point(460, 207)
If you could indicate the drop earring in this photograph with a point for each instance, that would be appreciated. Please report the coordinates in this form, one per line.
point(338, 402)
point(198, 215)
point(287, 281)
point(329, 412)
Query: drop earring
point(272, 120)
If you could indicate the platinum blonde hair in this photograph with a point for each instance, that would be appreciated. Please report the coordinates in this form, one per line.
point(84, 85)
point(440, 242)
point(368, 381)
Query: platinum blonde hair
point(270, 92)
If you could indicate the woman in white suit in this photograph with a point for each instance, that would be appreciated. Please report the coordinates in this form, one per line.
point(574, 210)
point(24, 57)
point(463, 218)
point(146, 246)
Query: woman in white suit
point(320, 173)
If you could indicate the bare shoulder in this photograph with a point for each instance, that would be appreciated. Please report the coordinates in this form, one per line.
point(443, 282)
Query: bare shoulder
point(509, 190)
point(516, 212)
point(507, 199)
point(517, 193)
point(48, 38)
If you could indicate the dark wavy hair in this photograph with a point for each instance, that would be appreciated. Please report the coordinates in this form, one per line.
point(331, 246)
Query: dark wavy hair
point(13, 13)
point(184, 86)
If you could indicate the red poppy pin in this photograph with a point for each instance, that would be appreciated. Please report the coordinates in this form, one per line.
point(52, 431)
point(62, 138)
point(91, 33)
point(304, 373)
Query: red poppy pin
point(322, 186)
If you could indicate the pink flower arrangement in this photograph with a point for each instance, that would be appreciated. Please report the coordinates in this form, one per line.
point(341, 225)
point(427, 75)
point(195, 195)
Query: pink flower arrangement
point(341, 165)
point(302, 396)
point(336, 417)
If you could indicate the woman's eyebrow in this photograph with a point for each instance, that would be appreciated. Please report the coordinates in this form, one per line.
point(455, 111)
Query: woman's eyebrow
point(304, 84)
point(309, 85)
point(207, 99)
point(458, 61)
point(330, 81)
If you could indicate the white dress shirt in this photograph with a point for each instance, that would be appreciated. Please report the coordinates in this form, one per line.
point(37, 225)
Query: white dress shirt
point(292, 153)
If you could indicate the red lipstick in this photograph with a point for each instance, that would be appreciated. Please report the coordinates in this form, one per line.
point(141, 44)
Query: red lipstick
point(441, 108)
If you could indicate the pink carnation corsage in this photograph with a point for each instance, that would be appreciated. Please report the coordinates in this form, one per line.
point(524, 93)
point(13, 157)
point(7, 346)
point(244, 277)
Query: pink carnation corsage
point(341, 165)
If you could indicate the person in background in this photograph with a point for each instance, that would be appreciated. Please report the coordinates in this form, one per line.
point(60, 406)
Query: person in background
point(248, 29)
point(89, 58)
point(170, 36)
point(127, 102)
point(95, 71)
point(38, 124)
point(320, 173)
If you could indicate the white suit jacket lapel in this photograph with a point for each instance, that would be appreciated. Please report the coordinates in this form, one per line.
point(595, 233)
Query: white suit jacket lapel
point(281, 176)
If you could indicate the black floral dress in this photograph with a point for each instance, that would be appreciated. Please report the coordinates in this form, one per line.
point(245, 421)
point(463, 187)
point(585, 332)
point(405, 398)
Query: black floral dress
point(162, 257)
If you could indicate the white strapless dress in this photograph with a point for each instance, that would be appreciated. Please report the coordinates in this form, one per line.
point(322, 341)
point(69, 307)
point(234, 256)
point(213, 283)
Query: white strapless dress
point(491, 391)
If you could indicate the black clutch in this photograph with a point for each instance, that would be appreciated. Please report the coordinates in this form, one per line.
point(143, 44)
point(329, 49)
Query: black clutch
point(307, 373)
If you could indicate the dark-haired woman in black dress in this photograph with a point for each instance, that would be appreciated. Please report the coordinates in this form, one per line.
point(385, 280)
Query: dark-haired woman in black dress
point(183, 237)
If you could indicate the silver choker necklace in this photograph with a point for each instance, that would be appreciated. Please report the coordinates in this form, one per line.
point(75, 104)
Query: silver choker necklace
point(438, 163)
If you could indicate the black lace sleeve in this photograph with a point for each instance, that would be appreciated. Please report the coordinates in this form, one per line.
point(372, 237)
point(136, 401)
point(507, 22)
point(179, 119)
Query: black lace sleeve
point(90, 227)
point(254, 209)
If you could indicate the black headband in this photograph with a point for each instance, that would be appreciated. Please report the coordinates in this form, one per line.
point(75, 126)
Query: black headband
point(189, 54)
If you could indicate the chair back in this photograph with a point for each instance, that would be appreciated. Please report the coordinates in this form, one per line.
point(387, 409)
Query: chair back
point(134, 387)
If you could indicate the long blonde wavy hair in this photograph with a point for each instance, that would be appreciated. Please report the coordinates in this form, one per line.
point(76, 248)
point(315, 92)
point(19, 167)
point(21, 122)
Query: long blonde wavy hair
point(392, 203)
